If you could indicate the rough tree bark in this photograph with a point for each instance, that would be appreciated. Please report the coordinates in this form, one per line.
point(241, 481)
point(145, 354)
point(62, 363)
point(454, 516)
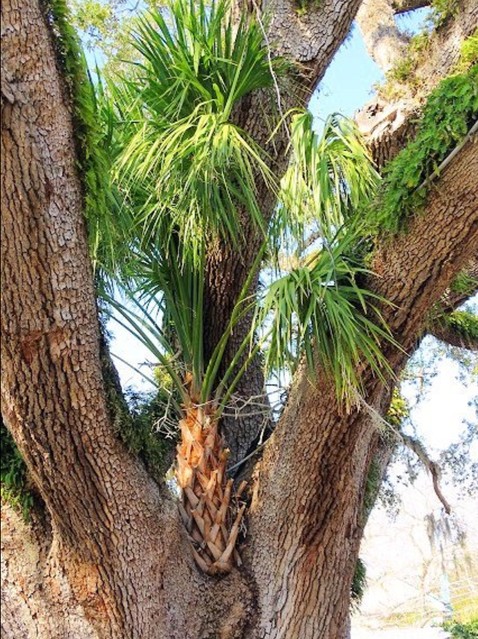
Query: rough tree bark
point(308, 497)
point(110, 555)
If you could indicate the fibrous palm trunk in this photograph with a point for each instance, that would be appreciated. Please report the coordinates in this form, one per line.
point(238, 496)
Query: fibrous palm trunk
point(211, 512)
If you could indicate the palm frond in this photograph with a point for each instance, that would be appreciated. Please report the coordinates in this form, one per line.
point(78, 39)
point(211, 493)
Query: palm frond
point(320, 310)
point(329, 179)
point(197, 169)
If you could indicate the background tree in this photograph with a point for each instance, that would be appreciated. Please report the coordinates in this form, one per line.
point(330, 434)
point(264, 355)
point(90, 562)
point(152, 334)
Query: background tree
point(110, 548)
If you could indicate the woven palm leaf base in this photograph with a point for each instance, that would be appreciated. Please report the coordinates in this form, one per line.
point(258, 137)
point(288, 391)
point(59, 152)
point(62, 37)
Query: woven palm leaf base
point(207, 503)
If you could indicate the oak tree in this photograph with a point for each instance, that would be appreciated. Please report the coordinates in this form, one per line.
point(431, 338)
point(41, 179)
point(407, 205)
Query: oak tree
point(107, 553)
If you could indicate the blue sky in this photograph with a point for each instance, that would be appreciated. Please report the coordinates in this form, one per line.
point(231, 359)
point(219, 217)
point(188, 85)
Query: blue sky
point(348, 83)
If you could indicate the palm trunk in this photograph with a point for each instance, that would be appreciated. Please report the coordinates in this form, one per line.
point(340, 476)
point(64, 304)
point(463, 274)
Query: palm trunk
point(210, 512)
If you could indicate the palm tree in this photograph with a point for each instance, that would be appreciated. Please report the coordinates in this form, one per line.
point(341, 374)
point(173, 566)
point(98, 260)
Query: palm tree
point(182, 173)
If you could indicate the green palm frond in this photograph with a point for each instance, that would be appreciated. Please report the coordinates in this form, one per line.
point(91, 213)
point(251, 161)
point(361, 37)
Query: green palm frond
point(165, 312)
point(184, 174)
point(194, 53)
point(111, 223)
point(320, 310)
point(329, 179)
point(197, 169)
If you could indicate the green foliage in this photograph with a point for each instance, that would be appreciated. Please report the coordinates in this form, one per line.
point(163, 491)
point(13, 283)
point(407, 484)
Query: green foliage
point(13, 474)
point(141, 433)
point(321, 310)
point(442, 10)
point(449, 113)
point(398, 411)
point(359, 584)
point(92, 17)
point(185, 170)
point(464, 284)
point(402, 71)
point(330, 177)
point(194, 167)
point(464, 323)
point(468, 53)
point(462, 630)
point(165, 312)
point(319, 306)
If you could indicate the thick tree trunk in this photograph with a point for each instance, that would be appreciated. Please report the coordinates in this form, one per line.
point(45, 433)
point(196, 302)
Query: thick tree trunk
point(37, 600)
point(308, 498)
point(120, 547)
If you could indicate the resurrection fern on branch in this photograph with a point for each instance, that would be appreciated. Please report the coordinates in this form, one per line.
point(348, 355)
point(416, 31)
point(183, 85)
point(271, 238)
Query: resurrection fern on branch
point(450, 112)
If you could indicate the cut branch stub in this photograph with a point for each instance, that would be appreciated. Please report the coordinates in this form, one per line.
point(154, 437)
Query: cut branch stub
point(208, 508)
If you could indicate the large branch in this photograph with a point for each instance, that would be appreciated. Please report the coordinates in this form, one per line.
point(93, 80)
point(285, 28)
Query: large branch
point(403, 6)
point(388, 121)
point(462, 289)
point(311, 483)
point(385, 43)
point(309, 38)
point(450, 325)
point(457, 329)
point(419, 266)
point(111, 534)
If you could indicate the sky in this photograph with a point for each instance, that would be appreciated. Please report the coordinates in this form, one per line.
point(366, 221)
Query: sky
point(347, 85)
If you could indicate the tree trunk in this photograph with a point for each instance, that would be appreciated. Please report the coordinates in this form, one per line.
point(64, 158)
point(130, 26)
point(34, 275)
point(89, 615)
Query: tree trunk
point(114, 562)
point(308, 498)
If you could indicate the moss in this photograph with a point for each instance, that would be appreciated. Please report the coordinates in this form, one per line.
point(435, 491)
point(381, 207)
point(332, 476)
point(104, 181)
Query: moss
point(401, 77)
point(15, 487)
point(402, 70)
point(448, 115)
point(359, 584)
point(464, 323)
point(92, 158)
point(372, 486)
point(397, 413)
point(304, 6)
point(134, 420)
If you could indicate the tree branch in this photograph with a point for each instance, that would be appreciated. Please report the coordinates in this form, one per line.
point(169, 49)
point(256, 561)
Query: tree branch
point(315, 462)
point(403, 6)
point(432, 467)
point(457, 329)
point(462, 288)
point(385, 43)
point(388, 121)
point(415, 271)
point(53, 398)
point(309, 37)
